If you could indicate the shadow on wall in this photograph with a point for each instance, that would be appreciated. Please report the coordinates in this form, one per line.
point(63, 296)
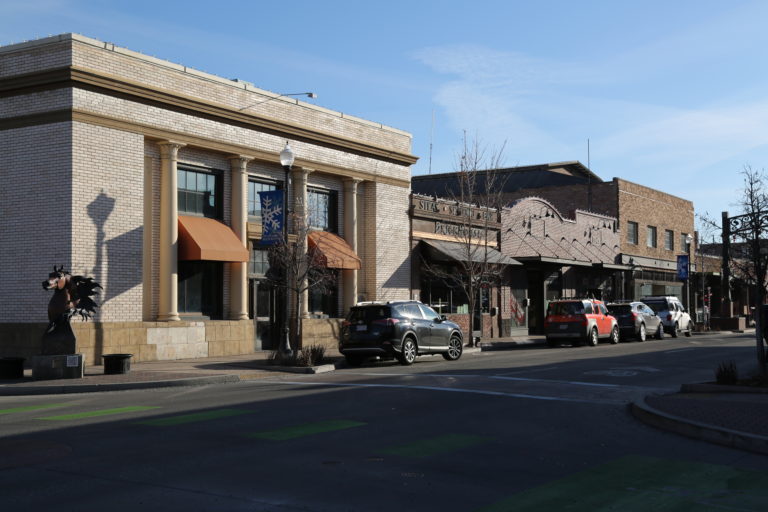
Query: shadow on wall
point(118, 260)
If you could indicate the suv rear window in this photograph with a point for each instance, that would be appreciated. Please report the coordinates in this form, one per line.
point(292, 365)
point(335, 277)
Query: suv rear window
point(566, 308)
point(369, 313)
point(657, 305)
point(620, 309)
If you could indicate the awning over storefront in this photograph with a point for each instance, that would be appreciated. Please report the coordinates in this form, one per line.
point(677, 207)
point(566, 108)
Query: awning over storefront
point(446, 251)
point(555, 261)
point(201, 238)
point(335, 250)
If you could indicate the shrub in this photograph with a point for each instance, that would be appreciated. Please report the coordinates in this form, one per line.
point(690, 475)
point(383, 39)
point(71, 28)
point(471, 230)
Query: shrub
point(308, 356)
point(311, 356)
point(726, 373)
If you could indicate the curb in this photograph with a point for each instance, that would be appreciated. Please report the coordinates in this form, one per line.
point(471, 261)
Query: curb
point(721, 388)
point(697, 430)
point(505, 345)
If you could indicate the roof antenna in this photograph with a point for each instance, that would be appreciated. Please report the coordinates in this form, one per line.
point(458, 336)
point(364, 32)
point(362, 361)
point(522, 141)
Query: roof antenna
point(431, 137)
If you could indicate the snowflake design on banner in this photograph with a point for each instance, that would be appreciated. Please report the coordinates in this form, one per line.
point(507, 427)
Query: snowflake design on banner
point(271, 214)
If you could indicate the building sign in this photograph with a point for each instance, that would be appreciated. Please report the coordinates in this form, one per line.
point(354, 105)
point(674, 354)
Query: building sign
point(272, 216)
point(682, 267)
point(459, 230)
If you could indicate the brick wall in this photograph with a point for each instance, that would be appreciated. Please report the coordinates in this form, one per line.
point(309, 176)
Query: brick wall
point(35, 216)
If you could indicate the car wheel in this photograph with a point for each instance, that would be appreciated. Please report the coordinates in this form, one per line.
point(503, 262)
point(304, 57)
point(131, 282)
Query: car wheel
point(660, 332)
point(615, 336)
point(689, 330)
point(454, 349)
point(408, 354)
point(593, 339)
point(675, 330)
point(354, 360)
point(641, 333)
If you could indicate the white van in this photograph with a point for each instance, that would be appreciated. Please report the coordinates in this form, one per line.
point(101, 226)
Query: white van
point(672, 314)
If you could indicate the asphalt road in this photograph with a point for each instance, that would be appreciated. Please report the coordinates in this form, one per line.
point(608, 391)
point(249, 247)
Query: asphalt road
point(534, 429)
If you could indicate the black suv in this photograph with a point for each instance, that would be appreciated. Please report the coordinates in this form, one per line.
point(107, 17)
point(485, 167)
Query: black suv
point(397, 329)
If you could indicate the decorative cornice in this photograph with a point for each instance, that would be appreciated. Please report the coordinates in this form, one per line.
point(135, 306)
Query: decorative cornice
point(160, 134)
point(80, 77)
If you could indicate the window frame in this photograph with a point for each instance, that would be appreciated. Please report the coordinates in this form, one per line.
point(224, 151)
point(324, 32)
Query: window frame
point(669, 240)
point(218, 193)
point(652, 235)
point(254, 199)
point(331, 214)
point(633, 240)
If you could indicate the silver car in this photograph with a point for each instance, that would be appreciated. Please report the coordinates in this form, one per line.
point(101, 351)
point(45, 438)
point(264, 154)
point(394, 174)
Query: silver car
point(672, 313)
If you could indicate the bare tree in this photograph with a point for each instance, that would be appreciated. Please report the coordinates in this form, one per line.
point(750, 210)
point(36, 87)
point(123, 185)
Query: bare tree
point(477, 193)
point(295, 267)
point(745, 250)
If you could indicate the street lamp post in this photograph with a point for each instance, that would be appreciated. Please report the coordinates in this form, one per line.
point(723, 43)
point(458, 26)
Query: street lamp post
point(286, 160)
point(688, 242)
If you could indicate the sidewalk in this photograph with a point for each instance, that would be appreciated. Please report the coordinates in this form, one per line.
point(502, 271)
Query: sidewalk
point(730, 415)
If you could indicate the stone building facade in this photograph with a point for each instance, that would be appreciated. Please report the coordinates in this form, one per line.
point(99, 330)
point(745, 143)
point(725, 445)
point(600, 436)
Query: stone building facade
point(110, 160)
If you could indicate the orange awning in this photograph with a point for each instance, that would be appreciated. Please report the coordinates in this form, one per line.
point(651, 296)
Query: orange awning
point(201, 238)
point(335, 250)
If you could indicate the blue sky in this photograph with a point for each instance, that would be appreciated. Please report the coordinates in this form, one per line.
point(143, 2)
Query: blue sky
point(670, 94)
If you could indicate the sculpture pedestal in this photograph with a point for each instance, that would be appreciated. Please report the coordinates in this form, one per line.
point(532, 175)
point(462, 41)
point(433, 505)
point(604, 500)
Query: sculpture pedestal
point(64, 366)
point(61, 341)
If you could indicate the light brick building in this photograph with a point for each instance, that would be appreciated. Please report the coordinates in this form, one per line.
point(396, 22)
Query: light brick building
point(118, 166)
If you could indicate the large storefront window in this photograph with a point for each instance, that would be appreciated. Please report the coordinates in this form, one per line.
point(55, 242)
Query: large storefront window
point(258, 265)
point(198, 193)
point(322, 209)
point(323, 301)
point(200, 286)
point(443, 297)
point(254, 200)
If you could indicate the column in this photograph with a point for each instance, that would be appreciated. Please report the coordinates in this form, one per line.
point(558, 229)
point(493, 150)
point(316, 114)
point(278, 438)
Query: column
point(238, 275)
point(299, 177)
point(349, 276)
point(169, 231)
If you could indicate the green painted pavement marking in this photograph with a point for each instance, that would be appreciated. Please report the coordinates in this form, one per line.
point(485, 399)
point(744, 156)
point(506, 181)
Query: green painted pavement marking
point(193, 418)
point(639, 484)
point(30, 408)
point(442, 444)
point(306, 429)
point(92, 414)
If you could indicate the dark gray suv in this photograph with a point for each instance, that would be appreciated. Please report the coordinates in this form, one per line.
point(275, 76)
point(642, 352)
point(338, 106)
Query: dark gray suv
point(397, 329)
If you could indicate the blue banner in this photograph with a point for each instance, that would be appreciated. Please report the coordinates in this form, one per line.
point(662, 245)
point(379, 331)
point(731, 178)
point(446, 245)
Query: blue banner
point(682, 267)
point(272, 216)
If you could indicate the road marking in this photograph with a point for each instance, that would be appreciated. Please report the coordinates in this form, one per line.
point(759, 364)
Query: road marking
point(678, 351)
point(194, 418)
point(30, 408)
point(307, 429)
point(93, 414)
point(442, 444)
point(458, 390)
point(639, 484)
point(573, 382)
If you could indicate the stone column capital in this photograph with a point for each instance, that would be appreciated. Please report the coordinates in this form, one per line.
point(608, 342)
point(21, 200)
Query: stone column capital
point(170, 148)
point(239, 162)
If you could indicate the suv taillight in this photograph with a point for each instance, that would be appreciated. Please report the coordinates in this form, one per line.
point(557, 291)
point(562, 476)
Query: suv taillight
point(634, 317)
point(669, 317)
point(346, 323)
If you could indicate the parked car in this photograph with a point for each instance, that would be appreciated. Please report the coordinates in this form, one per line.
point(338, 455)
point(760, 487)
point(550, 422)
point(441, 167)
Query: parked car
point(672, 314)
point(579, 321)
point(636, 320)
point(397, 329)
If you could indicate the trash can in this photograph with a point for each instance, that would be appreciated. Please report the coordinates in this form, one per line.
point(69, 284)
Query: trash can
point(11, 367)
point(117, 363)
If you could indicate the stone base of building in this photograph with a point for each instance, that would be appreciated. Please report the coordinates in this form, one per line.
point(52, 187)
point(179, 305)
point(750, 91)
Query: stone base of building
point(147, 341)
point(65, 366)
